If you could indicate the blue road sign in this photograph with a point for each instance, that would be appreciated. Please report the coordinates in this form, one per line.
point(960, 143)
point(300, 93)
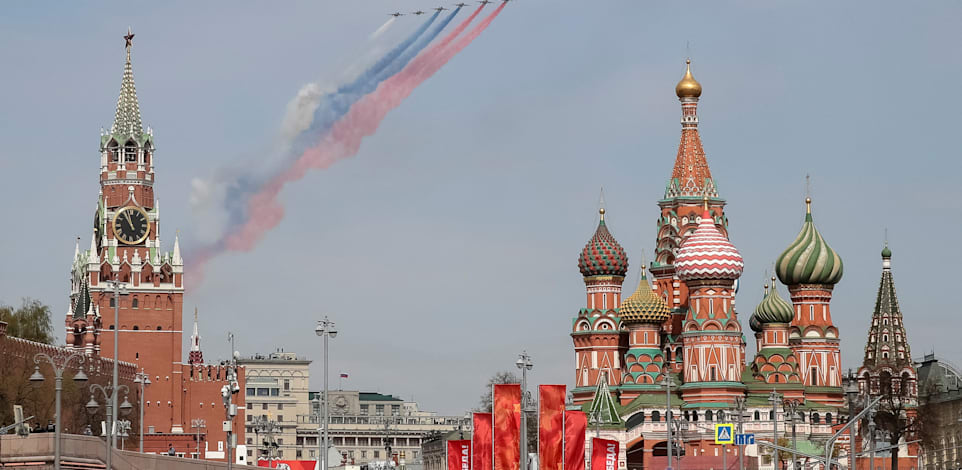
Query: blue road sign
point(744, 439)
point(724, 433)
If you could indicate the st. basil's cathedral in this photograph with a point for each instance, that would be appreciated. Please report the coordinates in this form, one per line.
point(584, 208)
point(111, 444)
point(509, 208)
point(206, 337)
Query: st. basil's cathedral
point(678, 338)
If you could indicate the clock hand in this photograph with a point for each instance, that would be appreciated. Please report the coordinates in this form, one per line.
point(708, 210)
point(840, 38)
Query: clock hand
point(129, 222)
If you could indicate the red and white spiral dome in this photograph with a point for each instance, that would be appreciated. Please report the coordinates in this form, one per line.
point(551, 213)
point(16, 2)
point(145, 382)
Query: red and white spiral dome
point(707, 254)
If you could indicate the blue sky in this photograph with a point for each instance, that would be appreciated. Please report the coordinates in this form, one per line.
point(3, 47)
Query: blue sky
point(449, 243)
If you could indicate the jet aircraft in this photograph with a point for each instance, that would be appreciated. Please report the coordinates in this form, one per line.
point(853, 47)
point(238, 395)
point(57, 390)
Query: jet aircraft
point(461, 5)
point(419, 12)
point(396, 14)
point(439, 9)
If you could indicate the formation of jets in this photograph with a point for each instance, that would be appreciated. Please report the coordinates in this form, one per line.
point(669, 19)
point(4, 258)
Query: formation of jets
point(440, 9)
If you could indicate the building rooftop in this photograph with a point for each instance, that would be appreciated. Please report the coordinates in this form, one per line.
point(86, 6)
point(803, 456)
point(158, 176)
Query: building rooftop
point(375, 396)
point(279, 356)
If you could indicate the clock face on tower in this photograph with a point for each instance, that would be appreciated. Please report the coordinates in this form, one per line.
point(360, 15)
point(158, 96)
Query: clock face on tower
point(131, 225)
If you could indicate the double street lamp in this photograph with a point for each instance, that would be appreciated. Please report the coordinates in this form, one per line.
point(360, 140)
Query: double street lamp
point(524, 363)
point(58, 364)
point(326, 329)
point(143, 380)
point(109, 392)
point(119, 289)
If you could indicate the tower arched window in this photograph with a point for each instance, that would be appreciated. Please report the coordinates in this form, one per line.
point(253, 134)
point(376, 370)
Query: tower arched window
point(135, 303)
point(130, 151)
point(136, 327)
point(885, 338)
point(113, 151)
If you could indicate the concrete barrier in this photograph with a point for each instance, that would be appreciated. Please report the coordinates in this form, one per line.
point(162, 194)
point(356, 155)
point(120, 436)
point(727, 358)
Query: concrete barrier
point(36, 452)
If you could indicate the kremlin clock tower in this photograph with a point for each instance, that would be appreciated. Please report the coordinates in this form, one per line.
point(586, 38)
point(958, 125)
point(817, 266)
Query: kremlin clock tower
point(125, 252)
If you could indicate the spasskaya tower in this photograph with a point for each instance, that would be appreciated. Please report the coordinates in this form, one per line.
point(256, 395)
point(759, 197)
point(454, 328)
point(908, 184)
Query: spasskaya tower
point(125, 246)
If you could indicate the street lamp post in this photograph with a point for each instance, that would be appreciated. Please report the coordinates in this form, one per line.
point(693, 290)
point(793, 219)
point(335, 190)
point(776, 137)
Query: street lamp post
point(740, 409)
point(774, 397)
point(119, 289)
point(143, 380)
point(871, 436)
point(667, 384)
point(851, 393)
point(524, 363)
point(227, 393)
point(197, 424)
point(326, 329)
point(92, 406)
point(58, 364)
point(791, 407)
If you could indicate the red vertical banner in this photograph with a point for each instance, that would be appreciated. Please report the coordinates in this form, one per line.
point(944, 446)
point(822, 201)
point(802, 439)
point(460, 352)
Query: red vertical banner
point(459, 455)
point(507, 427)
point(576, 425)
point(481, 442)
point(551, 411)
point(604, 454)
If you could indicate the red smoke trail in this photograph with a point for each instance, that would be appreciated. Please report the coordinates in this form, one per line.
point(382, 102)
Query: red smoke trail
point(344, 138)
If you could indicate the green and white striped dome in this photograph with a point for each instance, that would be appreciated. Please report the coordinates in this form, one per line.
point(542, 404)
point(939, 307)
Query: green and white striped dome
point(809, 259)
point(773, 308)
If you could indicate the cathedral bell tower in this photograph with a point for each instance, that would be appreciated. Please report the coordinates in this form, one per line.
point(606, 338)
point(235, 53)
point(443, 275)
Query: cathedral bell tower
point(125, 247)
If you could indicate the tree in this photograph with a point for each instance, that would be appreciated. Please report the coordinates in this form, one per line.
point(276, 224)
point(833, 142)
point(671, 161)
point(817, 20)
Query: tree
point(487, 402)
point(503, 377)
point(31, 321)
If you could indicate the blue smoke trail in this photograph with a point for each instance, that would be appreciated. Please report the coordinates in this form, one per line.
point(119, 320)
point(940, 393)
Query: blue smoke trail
point(335, 105)
point(332, 107)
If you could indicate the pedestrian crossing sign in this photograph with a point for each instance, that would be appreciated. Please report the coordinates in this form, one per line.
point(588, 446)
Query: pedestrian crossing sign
point(724, 433)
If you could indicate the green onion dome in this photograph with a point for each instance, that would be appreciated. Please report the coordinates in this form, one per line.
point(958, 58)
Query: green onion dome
point(603, 255)
point(886, 252)
point(755, 325)
point(809, 259)
point(644, 306)
point(773, 308)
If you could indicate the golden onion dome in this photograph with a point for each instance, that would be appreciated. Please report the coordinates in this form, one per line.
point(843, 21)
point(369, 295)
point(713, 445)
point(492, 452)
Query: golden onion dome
point(688, 87)
point(644, 306)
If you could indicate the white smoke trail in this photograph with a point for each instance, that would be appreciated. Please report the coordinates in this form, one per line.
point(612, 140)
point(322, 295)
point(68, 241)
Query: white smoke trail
point(387, 24)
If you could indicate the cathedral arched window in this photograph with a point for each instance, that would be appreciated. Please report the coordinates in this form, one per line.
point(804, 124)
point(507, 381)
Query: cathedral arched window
point(816, 419)
point(720, 415)
point(758, 416)
point(709, 416)
point(655, 416)
point(828, 418)
point(130, 151)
